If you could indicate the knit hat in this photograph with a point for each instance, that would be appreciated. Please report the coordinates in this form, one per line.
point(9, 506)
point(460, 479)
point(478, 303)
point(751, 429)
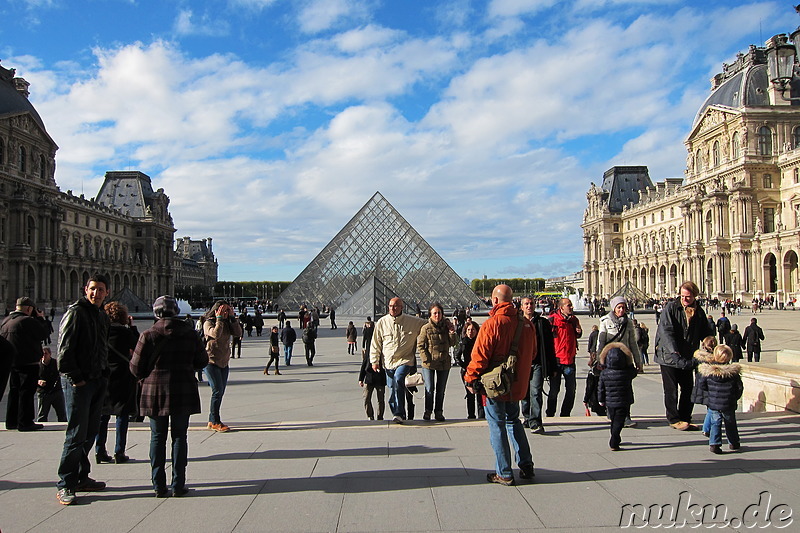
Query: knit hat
point(166, 306)
point(616, 301)
point(25, 301)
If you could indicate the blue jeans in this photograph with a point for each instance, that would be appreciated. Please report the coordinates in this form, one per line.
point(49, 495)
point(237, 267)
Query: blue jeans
point(715, 427)
point(84, 405)
point(570, 384)
point(532, 404)
point(287, 354)
point(218, 379)
point(159, 425)
point(504, 425)
point(396, 379)
point(707, 422)
point(121, 432)
point(435, 385)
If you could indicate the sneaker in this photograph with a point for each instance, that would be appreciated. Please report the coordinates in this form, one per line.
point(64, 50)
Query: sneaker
point(539, 429)
point(220, 428)
point(89, 485)
point(526, 472)
point(629, 423)
point(397, 420)
point(66, 496)
point(491, 477)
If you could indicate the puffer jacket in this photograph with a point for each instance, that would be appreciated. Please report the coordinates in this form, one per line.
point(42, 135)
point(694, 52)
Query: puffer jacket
point(676, 340)
point(700, 356)
point(721, 385)
point(83, 342)
point(434, 342)
point(615, 387)
point(218, 334)
point(165, 359)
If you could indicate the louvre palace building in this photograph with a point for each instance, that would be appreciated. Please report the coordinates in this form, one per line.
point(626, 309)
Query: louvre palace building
point(731, 224)
point(52, 241)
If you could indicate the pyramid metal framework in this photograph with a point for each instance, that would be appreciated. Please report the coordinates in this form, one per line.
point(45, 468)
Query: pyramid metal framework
point(377, 255)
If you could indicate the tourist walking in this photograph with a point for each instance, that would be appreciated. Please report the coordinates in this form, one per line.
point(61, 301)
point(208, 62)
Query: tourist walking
point(434, 341)
point(721, 384)
point(753, 335)
point(566, 332)
point(351, 334)
point(274, 351)
point(309, 342)
point(288, 338)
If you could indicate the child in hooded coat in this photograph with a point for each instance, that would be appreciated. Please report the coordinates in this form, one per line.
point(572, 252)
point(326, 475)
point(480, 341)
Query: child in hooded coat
point(615, 389)
point(721, 384)
point(704, 354)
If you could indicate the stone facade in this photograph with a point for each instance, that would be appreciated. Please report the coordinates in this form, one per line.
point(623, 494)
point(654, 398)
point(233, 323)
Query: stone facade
point(51, 241)
point(731, 225)
point(194, 264)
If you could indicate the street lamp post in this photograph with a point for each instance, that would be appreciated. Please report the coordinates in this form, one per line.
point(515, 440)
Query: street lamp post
point(708, 302)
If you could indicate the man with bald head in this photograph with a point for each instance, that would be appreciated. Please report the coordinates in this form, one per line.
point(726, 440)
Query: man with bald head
point(393, 346)
point(492, 347)
point(566, 332)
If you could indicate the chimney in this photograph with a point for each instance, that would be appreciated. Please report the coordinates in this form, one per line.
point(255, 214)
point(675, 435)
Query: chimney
point(22, 86)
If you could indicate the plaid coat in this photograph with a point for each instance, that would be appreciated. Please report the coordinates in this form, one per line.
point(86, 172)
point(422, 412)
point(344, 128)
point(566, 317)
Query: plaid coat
point(165, 360)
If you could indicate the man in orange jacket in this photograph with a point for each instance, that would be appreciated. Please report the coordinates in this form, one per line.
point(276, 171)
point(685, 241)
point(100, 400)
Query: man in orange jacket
point(491, 349)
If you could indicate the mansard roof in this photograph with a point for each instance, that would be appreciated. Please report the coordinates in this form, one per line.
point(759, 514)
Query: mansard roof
point(129, 192)
point(623, 186)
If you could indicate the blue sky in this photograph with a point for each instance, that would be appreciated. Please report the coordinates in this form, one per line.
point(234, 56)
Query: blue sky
point(269, 123)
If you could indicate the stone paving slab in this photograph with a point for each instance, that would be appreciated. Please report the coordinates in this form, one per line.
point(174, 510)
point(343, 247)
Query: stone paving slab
point(303, 457)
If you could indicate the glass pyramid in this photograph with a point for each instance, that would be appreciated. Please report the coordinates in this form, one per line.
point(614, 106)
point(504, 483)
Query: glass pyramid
point(377, 255)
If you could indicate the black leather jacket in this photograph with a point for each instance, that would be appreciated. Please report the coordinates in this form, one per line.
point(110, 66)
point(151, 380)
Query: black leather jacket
point(676, 340)
point(83, 342)
point(26, 333)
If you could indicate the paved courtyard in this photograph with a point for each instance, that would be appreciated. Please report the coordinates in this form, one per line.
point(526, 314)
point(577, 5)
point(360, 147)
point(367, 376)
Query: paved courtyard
point(303, 457)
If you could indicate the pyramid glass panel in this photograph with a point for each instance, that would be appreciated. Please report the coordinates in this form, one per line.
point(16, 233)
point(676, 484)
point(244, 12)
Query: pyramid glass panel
point(377, 252)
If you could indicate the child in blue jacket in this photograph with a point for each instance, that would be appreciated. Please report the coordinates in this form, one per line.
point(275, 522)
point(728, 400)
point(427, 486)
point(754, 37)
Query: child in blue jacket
point(721, 384)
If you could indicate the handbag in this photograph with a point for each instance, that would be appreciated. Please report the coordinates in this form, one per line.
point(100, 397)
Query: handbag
point(414, 380)
point(497, 381)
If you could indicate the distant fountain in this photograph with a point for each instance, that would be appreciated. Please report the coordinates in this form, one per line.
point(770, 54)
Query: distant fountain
point(577, 301)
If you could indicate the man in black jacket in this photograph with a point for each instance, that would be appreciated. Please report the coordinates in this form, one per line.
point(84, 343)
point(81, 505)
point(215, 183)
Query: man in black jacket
point(682, 326)
point(83, 360)
point(542, 365)
point(25, 329)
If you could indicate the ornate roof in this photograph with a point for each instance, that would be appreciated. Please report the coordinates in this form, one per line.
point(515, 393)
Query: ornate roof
point(12, 100)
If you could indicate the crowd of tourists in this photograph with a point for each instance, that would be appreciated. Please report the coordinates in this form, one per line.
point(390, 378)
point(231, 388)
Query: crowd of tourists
point(105, 366)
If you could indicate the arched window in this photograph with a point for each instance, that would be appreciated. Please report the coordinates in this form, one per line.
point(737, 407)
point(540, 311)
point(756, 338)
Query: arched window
point(764, 136)
point(22, 158)
point(42, 168)
point(715, 153)
point(735, 148)
point(698, 162)
point(796, 137)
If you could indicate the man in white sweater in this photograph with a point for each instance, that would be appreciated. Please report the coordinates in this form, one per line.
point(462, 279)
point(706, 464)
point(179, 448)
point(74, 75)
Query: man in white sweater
point(393, 346)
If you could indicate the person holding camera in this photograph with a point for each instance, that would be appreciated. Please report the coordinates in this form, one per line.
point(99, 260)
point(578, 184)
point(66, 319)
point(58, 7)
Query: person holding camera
point(219, 327)
point(492, 347)
point(25, 329)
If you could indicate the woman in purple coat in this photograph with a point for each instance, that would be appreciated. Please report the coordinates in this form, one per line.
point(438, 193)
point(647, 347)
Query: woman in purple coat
point(165, 360)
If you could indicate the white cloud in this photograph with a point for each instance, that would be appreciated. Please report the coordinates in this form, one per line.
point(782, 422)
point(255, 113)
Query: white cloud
point(514, 8)
point(187, 23)
point(319, 15)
